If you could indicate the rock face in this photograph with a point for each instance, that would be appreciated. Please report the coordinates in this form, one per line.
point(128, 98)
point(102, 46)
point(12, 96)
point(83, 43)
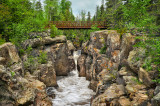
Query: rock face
point(14, 88)
point(8, 54)
point(47, 74)
point(23, 80)
point(117, 76)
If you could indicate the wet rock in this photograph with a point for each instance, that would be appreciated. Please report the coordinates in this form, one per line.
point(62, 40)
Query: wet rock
point(48, 75)
point(81, 64)
point(58, 54)
point(144, 77)
point(88, 66)
point(71, 62)
point(93, 85)
point(42, 99)
point(9, 54)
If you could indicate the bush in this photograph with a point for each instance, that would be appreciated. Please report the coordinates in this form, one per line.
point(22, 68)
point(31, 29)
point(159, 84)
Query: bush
point(55, 31)
point(42, 59)
point(2, 41)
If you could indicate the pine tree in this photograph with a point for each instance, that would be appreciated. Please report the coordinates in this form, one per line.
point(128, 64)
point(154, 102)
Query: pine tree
point(89, 17)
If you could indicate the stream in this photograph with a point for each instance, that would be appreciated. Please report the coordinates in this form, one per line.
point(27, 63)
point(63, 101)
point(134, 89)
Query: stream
point(72, 90)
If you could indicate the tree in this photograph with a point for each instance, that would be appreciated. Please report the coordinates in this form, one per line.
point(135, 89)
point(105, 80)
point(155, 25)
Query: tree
point(83, 15)
point(89, 16)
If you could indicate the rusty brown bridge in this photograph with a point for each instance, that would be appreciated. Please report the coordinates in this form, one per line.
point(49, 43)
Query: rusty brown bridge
point(78, 24)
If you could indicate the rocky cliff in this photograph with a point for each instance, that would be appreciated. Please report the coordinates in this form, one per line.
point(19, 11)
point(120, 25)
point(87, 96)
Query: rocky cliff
point(26, 71)
point(115, 69)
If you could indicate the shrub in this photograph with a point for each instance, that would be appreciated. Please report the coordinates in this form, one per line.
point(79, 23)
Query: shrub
point(54, 31)
point(42, 59)
point(2, 41)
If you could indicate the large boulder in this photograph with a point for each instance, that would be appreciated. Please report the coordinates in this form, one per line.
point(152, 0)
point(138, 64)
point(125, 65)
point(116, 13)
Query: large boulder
point(81, 65)
point(43, 41)
point(8, 54)
point(113, 92)
point(47, 74)
point(127, 43)
point(145, 77)
point(135, 59)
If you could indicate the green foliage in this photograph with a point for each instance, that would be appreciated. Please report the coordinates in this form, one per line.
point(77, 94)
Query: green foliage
point(136, 80)
point(13, 73)
point(29, 62)
point(103, 49)
point(42, 59)
point(55, 32)
point(147, 64)
point(21, 52)
point(2, 41)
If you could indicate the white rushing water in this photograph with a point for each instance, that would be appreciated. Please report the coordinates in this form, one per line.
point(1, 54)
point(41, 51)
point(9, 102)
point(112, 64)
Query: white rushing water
point(73, 90)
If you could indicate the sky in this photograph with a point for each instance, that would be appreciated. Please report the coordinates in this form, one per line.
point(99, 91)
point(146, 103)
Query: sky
point(87, 5)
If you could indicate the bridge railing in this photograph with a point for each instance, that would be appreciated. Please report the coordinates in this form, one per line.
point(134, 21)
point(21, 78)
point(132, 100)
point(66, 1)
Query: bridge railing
point(78, 24)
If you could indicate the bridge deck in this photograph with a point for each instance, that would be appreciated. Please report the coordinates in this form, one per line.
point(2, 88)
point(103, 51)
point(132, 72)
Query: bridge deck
point(78, 24)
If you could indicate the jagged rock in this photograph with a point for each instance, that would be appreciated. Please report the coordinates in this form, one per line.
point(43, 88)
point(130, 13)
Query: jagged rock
point(157, 90)
point(88, 66)
point(144, 77)
point(2, 60)
point(127, 43)
point(71, 62)
point(155, 101)
point(47, 74)
point(113, 92)
point(81, 64)
point(93, 85)
point(113, 42)
point(135, 59)
point(115, 56)
point(42, 99)
point(124, 72)
point(123, 101)
point(133, 88)
point(140, 99)
point(8, 54)
point(2, 69)
point(130, 79)
point(98, 38)
point(70, 46)
point(45, 41)
point(105, 76)
point(58, 54)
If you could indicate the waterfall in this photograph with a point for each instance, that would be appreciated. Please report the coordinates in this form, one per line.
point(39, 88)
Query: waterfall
point(73, 90)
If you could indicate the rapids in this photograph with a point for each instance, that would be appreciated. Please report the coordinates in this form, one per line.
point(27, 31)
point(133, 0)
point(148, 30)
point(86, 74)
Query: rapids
point(72, 90)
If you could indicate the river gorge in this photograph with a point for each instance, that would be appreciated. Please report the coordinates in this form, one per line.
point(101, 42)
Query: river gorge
point(53, 72)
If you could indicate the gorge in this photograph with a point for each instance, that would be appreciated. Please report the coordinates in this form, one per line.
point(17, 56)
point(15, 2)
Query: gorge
point(116, 75)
